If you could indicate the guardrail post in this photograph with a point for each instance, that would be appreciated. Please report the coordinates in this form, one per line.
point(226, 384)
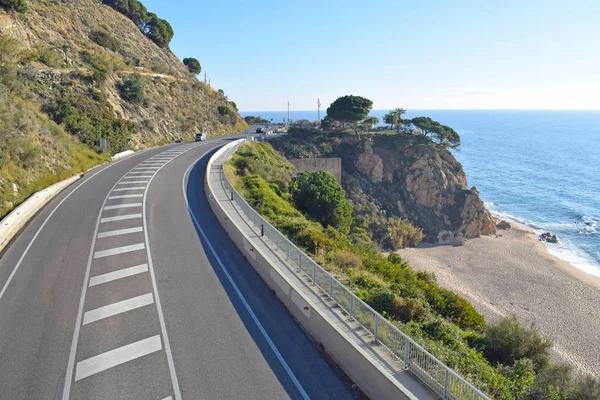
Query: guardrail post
point(262, 230)
point(376, 326)
point(351, 305)
point(315, 272)
point(232, 195)
point(406, 352)
point(331, 286)
point(446, 378)
point(288, 251)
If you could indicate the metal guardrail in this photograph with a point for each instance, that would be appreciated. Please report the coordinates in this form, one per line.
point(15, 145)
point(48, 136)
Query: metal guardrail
point(431, 371)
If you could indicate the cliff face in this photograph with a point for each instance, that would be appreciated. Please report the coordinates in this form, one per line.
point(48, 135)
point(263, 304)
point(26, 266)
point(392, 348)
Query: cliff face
point(409, 178)
point(422, 183)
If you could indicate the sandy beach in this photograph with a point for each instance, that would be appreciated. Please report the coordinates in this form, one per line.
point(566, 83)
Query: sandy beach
point(513, 273)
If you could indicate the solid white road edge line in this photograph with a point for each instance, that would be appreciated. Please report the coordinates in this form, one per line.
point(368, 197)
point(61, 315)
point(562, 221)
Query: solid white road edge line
point(260, 327)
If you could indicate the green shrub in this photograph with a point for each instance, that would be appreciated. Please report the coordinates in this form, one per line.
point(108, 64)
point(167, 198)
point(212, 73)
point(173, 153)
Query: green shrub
point(509, 340)
point(49, 57)
point(346, 259)
point(382, 300)
point(364, 280)
point(400, 234)
point(105, 40)
point(223, 110)
point(452, 306)
point(132, 90)
point(319, 196)
point(11, 53)
point(407, 310)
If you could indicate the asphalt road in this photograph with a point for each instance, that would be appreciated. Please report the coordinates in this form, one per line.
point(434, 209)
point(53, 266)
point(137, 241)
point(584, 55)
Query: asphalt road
point(111, 292)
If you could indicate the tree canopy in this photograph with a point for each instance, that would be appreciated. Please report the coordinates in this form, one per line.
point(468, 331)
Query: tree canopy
point(443, 134)
point(350, 109)
point(17, 5)
point(320, 196)
point(193, 65)
point(394, 118)
point(158, 30)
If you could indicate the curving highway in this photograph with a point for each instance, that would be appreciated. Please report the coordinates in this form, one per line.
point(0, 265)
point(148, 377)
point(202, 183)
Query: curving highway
point(125, 286)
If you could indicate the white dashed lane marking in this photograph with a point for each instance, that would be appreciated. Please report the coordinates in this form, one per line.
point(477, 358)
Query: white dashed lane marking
point(127, 205)
point(122, 273)
point(126, 196)
point(131, 188)
point(117, 308)
point(119, 250)
point(119, 232)
point(120, 218)
point(118, 356)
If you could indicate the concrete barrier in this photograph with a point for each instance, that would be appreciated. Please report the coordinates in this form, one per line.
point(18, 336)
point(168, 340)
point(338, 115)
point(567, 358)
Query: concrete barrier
point(122, 154)
point(374, 380)
point(17, 218)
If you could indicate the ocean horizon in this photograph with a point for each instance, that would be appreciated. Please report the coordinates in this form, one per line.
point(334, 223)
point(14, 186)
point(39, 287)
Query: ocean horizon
point(536, 167)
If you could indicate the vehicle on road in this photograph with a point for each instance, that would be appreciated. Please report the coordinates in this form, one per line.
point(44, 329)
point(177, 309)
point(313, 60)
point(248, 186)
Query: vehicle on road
point(260, 130)
point(200, 137)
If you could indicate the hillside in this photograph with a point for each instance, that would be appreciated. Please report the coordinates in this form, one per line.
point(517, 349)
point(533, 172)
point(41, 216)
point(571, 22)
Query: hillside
point(78, 70)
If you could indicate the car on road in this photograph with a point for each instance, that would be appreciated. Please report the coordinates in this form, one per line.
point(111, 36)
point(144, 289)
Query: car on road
point(260, 130)
point(200, 137)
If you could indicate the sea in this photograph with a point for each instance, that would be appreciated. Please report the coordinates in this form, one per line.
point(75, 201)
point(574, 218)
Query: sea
point(538, 168)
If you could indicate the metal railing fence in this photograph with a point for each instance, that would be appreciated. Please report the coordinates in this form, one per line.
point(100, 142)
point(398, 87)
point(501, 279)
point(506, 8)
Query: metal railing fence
point(431, 371)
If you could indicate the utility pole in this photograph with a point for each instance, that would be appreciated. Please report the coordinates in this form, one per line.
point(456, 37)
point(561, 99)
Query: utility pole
point(319, 112)
point(205, 77)
point(288, 113)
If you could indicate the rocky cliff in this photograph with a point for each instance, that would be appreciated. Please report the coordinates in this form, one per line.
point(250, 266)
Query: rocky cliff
point(405, 176)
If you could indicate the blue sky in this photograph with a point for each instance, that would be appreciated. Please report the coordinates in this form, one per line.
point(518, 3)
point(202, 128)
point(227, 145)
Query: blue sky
point(527, 54)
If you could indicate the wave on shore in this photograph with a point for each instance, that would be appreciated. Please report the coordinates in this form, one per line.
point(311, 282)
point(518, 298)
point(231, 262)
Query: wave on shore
point(565, 250)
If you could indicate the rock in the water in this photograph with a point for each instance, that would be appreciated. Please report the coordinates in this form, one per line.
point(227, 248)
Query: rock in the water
point(503, 225)
point(548, 237)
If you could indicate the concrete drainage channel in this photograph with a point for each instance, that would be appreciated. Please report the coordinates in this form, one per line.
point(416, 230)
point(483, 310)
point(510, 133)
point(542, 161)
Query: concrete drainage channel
point(379, 358)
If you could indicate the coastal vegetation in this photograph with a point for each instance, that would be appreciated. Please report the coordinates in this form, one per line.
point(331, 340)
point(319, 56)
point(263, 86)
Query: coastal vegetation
point(506, 359)
point(256, 120)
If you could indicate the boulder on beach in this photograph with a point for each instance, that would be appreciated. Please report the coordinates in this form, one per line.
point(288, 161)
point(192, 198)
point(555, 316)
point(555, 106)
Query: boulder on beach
point(503, 225)
point(548, 237)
